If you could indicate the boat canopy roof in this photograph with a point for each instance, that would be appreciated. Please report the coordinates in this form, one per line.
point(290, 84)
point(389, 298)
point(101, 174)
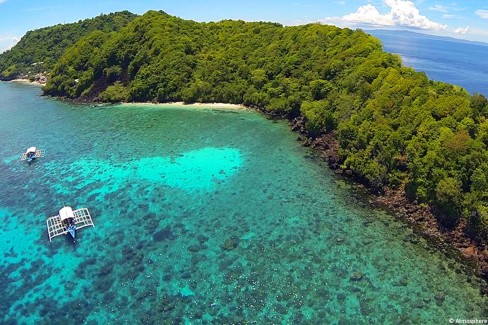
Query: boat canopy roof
point(66, 213)
point(31, 149)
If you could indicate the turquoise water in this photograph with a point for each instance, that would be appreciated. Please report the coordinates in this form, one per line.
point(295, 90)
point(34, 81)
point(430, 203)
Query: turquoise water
point(202, 216)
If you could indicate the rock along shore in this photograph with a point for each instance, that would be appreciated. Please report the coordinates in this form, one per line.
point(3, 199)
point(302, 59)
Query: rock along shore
point(454, 243)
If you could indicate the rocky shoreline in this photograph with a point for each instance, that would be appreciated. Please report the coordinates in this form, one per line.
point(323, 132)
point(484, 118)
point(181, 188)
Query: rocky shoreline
point(452, 242)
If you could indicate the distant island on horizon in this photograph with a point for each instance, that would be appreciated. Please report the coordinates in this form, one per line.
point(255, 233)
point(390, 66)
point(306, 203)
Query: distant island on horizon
point(410, 33)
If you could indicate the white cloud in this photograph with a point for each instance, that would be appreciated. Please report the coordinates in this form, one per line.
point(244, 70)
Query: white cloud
point(462, 30)
point(369, 14)
point(447, 11)
point(439, 8)
point(402, 13)
point(7, 42)
point(405, 13)
point(482, 13)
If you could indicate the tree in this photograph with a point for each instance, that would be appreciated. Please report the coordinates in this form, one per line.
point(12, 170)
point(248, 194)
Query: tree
point(448, 201)
point(115, 93)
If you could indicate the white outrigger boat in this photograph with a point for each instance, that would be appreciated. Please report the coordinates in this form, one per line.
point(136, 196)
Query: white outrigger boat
point(32, 153)
point(68, 221)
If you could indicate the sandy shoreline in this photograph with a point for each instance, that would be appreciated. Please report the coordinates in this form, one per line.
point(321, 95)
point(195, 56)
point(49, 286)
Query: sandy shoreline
point(171, 104)
point(181, 104)
point(27, 81)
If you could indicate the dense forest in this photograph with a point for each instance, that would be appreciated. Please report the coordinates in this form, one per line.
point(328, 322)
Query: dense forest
point(395, 127)
point(39, 50)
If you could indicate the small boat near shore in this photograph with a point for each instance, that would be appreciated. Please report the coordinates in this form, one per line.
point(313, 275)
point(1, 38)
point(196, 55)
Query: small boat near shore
point(68, 221)
point(32, 153)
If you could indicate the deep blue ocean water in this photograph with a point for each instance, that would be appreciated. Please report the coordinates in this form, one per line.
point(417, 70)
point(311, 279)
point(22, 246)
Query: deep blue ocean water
point(202, 216)
point(445, 59)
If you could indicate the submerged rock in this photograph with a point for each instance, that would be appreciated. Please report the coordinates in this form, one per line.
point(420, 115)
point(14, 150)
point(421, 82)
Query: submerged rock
point(341, 296)
point(105, 270)
point(164, 234)
point(196, 248)
point(403, 282)
point(166, 304)
point(230, 244)
point(357, 276)
point(440, 297)
point(202, 239)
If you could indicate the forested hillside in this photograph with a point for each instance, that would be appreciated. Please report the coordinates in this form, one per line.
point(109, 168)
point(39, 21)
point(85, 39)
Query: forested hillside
point(38, 50)
point(395, 127)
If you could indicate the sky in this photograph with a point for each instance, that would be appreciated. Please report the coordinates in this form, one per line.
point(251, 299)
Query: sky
point(466, 19)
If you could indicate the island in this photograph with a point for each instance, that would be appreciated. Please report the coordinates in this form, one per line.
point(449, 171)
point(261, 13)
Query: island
point(420, 146)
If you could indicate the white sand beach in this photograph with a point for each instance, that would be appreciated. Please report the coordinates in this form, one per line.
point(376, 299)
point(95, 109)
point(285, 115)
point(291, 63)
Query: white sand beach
point(27, 81)
point(196, 105)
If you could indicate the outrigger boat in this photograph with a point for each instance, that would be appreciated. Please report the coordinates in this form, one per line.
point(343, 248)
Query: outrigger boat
point(68, 221)
point(32, 153)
